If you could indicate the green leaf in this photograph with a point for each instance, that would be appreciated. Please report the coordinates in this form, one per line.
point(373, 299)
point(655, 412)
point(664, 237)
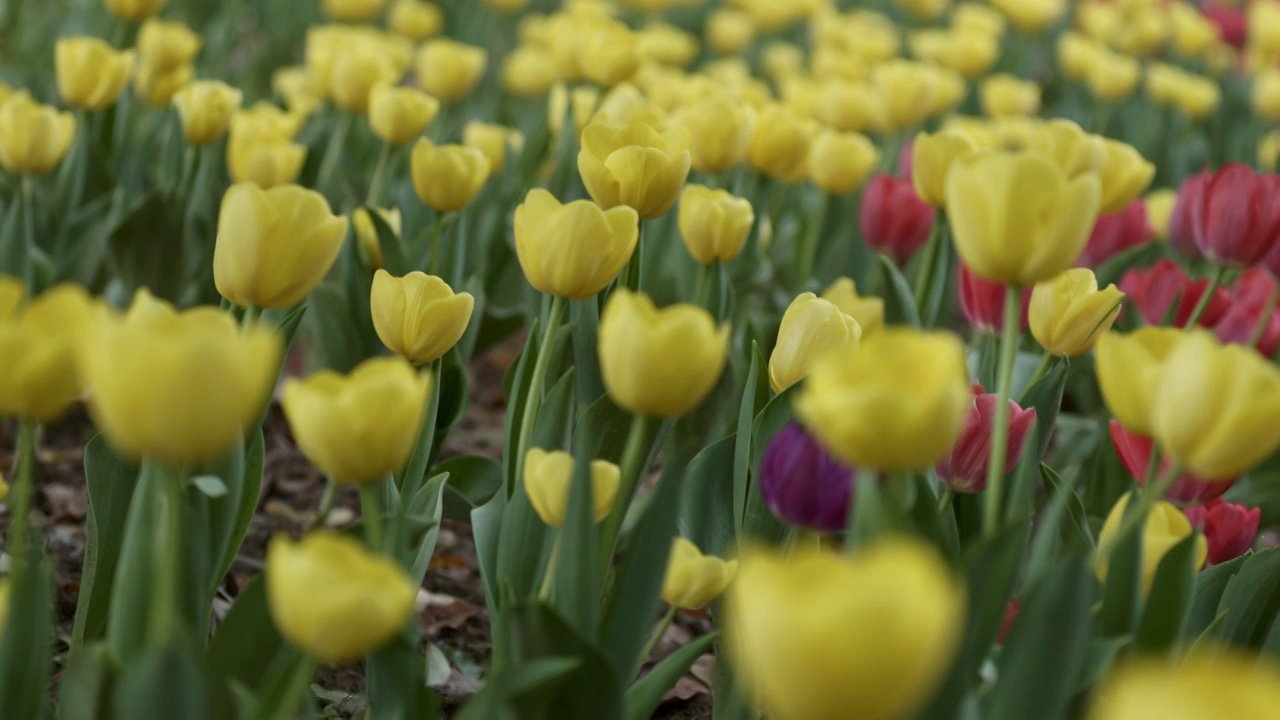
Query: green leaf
point(26, 647)
point(1210, 584)
point(1046, 397)
point(516, 386)
point(209, 485)
point(109, 483)
point(246, 502)
point(86, 681)
point(940, 282)
point(899, 302)
point(394, 259)
point(1045, 538)
point(706, 509)
point(522, 692)
point(1078, 529)
point(585, 316)
point(604, 428)
point(1122, 590)
point(742, 444)
point(1169, 601)
point(145, 249)
point(131, 587)
point(578, 574)
point(246, 640)
point(454, 393)
point(592, 690)
point(397, 683)
point(1102, 654)
point(170, 680)
point(335, 335)
point(760, 523)
point(473, 481)
point(644, 697)
point(428, 504)
point(1251, 601)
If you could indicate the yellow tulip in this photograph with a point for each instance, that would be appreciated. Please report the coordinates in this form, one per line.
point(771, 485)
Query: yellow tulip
point(625, 104)
point(495, 141)
point(666, 44)
point(1074, 150)
point(811, 327)
point(418, 316)
point(694, 579)
point(333, 599)
point(548, 479)
point(265, 164)
point(356, 72)
point(1129, 369)
point(609, 54)
point(932, 156)
point(781, 60)
point(581, 101)
point(1004, 95)
point(1216, 409)
point(299, 89)
point(1016, 217)
point(908, 89)
point(1160, 209)
point(1197, 96)
point(415, 19)
point(205, 108)
point(91, 74)
point(729, 31)
point(33, 137)
point(1269, 151)
point(714, 224)
point(779, 146)
point(1112, 76)
point(1077, 55)
point(840, 162)
point(1266, 94)
point(1068, 313)
point(659, 363)
point(449, 70)
point(157, 88)
point(398, 115)
point(971, 53)
point(177, 387)
point(1125, 176)
point(572, 250)
point(447, 177)
point(39, 344)
point(528, 70)
point(1031, 16)
point(720, 131)
point(1165, 527)
point(1205, 685)
point(367, 233)
point(868, 311)
point(352, 10)
point(134, 10)
point(274, 246)
point(812, 662)
point(852, 106)
point(166, 46)
point(978, 17)
point(634, 165)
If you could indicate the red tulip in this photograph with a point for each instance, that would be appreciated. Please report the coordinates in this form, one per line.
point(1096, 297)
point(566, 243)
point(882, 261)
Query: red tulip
point(1235, 215)
point(1251, 297)
point(1115, 233)
point(982, 301)
point(1232, 26)
point(1153, 290)
point(1135, 452)
point(965, 469)
point(894, 220)
point(1229, 529)
point(1182, 233)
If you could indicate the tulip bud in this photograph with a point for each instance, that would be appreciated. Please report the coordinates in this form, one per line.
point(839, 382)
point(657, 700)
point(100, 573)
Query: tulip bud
point(91, 74)
point(299, 89)
point(729, 31)
point(893, 219)
point(867, 311)
point(1165, 527)
point(1197, 96)
point(39, 345)
point(1068, 313)
point(398, 115)
point(1077, 55)
point(333, 599)
point(932, 156)
point(359, 427)
point(840, 162)
point(1155, 289)
point(495, 141)
point(634, 165)
point(982, 301)
point(166, 46)
point(1234, 214)
point(852, 106)
point(418, 316)
point(666, 45)
point(978, 17)
point(274, 246)
point(782, 60)
point(356, 72)
point(447, 177)
point(415, 19)
point(638, 348)
point(779, 147)
point(1125, 176)
point(548, 479)
point(1031, 16)
point(205, 108)
point(1129, 369)
point(449, 70)
point(1269, 151)
point(965, 469)
point(1004, 95)
point(157, 88)
point(909, 90)
point(802, 484)
point(33, 137)
point(1135, 453)
point(609, 54)
point(529, 71)
point(811, 327)
point(265, 164)
point(572, 250)
point(713, 224)
point(694, 579)
point(352, 10)
point(367, 232)
point(135, 10)
point(1159, 211)
point(1229, 529)
point(1112, 77)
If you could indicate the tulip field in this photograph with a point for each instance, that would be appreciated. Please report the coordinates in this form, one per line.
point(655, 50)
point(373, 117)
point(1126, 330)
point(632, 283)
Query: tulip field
point(627, 359)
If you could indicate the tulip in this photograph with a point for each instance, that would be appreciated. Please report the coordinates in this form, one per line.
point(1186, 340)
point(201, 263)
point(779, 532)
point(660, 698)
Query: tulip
point(1229, 529)
point(449, 70)
point(398, 115)
point(1068, 313)
point(1074, 150)
point(852, 106)
point(1017, 218)
point(1004, 95)
point(634, 165)
point(1160, 205)
point(1031, 16)
point(418, 316)
point(1269, 151)
point(352, 10)
point(729, 31)
point(609, 54)
point(1216, 408)
point(639, 347)
point(367, 233)
point(39, 345)
point(971, 53)
point(1155, 289)
point(582, 101)
point(931, 159)
point(779, 147)
point(898, 403)
point(1213, 683)
point(1135, 453)
point(356, 72)
point(811, 663)
point(1251, 298)
point(1182, 226)
point(158, 88)
point(265, 122)
point(1077, 55)
point(982, 301)
point(177, 387)
point(33, 137)
point(1125, 176)
point(811, 327)
point(205, 108)
point(1197, 96)
point(572, 250)
point(978, 17)
point(802, 484)
point(867, 311)
point(694, 579)
point(529, 71)
point(300, 91)
point(264, 164)
point(415, 19)
point(548, 479)
point(840, 162)
point(713, 224)
point(1115, 233)
point(1234, 214)
point(91, 74)
point(666, 45)
point(965, 469)
point(332, 598)
point(1112, 77)
point(782, 60)
point(1165, 527)
point(447, 177)
point(135, 10)
point(495, 141)
point(1129, 370)
point(908, 89)
point(893, 219)
point(166, 46)
point(360, 427)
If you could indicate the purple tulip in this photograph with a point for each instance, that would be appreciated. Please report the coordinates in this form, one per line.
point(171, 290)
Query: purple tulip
point(802, 484)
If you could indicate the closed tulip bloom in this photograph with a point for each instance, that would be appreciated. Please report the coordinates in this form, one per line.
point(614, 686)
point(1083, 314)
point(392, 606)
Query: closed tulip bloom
point(1160, 204)
point(178, 387)
point(1165, 527)
point(352, 10)
point(1235, 214)
point(447, 177)
point(840, 162)
point(811, 663)
point(274, 246)
point(609, 54)
point(356, 72)
point(158, 87)
point(852, 106)
point(811, 327)
point(867, 311)
point(33, 137)
point(1074, 150)
point(1206, 685)
point(694, 579)
point(398, 115)
point(1115, 233)
point(301, 92)
point(1266, 94)
point(982, 301)
point(1129, 369)
point(634, 165)
point(449, 70)
point(1182, 225)
point(415, 19)
point(418, 316)
point(896, 403)
point(165, 46)
point(39, 345)
point(205, 108)
point(548, 480)
point(908, 89)
point(779, 148)
point(572, 250)
point(1031, 16)
point(332, 598)
point(1229, 529)
point(1269, 151)
point(1135, 453)
point(135, 10)
point(1197, 96)
point(892, 217)
point(367, 233)
point(639, 347)
point(528, 70)
point(729, 31)
point(1003, 95)
point(1068, 313)
point(264, 164)
point(495, 141)
point(267, 123)
point(802, 484)
point(932, 156)
point(1125, 176)
point(978, 17)
point(714, 224)
point(1113, 77)
point(965, 469)
point(1017, 218)
point(1154, 290)
point(91, 74)
point(360, 427)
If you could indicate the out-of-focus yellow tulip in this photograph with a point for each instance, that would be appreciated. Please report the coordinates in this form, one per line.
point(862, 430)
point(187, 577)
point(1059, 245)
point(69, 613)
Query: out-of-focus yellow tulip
point(579, 104)
point(398, 115)
point(265, 164)
point(1031, 16)
point(659, 363)
point(840, 162)
point(415, 19)
point(91, 74)
point(135, 10)
point(924, 9)
point(33, 137)
point(1069, 313)
point(779, 146)
point(274, 246)
point(356, 72)
point(548, 479)
point(39, 344)
point(528, 70)
point(301, 93)
point(1074, 150)
point(447, 177)
point(1004, 95)
point(978, 17)
point(166, 46)
point(852, 106)
point(1112, 77)
point(1016, 217)
point(1165, 527)
point(1125, 176)
point(495, 141)
point(1193, 33)
point(205, 108)
point(908, 89)
point(1263, 23)
point(157, 88)
point(1197, 96)
point(720, 130)
point(1159, 210)
point(1205, 685)
point(811, 327)
point(1077, 55)
point(177, 387)
point(352, 10)
point(634, 165)
point(781, 60)
point(418, 316)
point(367, 232)
point(1266, 94)
point(572, 250)
point(609, 54)
point(714, 224)
point(694, 579)
point(729, 31)
point(1269, 151)
point(1129, 368)
point(971, 53)
point(932, 156)
point(868, 311)
point(332, 598)
point(811, 663)
point(449, 70)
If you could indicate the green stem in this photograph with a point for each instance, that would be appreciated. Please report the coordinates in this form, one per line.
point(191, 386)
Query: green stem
point(703, 294)
point(371, 511)
point(23, 489)
point(1265, 319)
point(1000, 436)
point(553, 562)
point(162, 616)
point(436, 263)
point(252, 314)
point(633, 456)
point(379, 169)
point(534, 399)
point(807, 253)
point(635, 267)
point(333, 151)
point(1215, 280)
point(1043, 367)
point(658, 632)
point(928, 262)
point(1136, 513)
point(948, 496)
